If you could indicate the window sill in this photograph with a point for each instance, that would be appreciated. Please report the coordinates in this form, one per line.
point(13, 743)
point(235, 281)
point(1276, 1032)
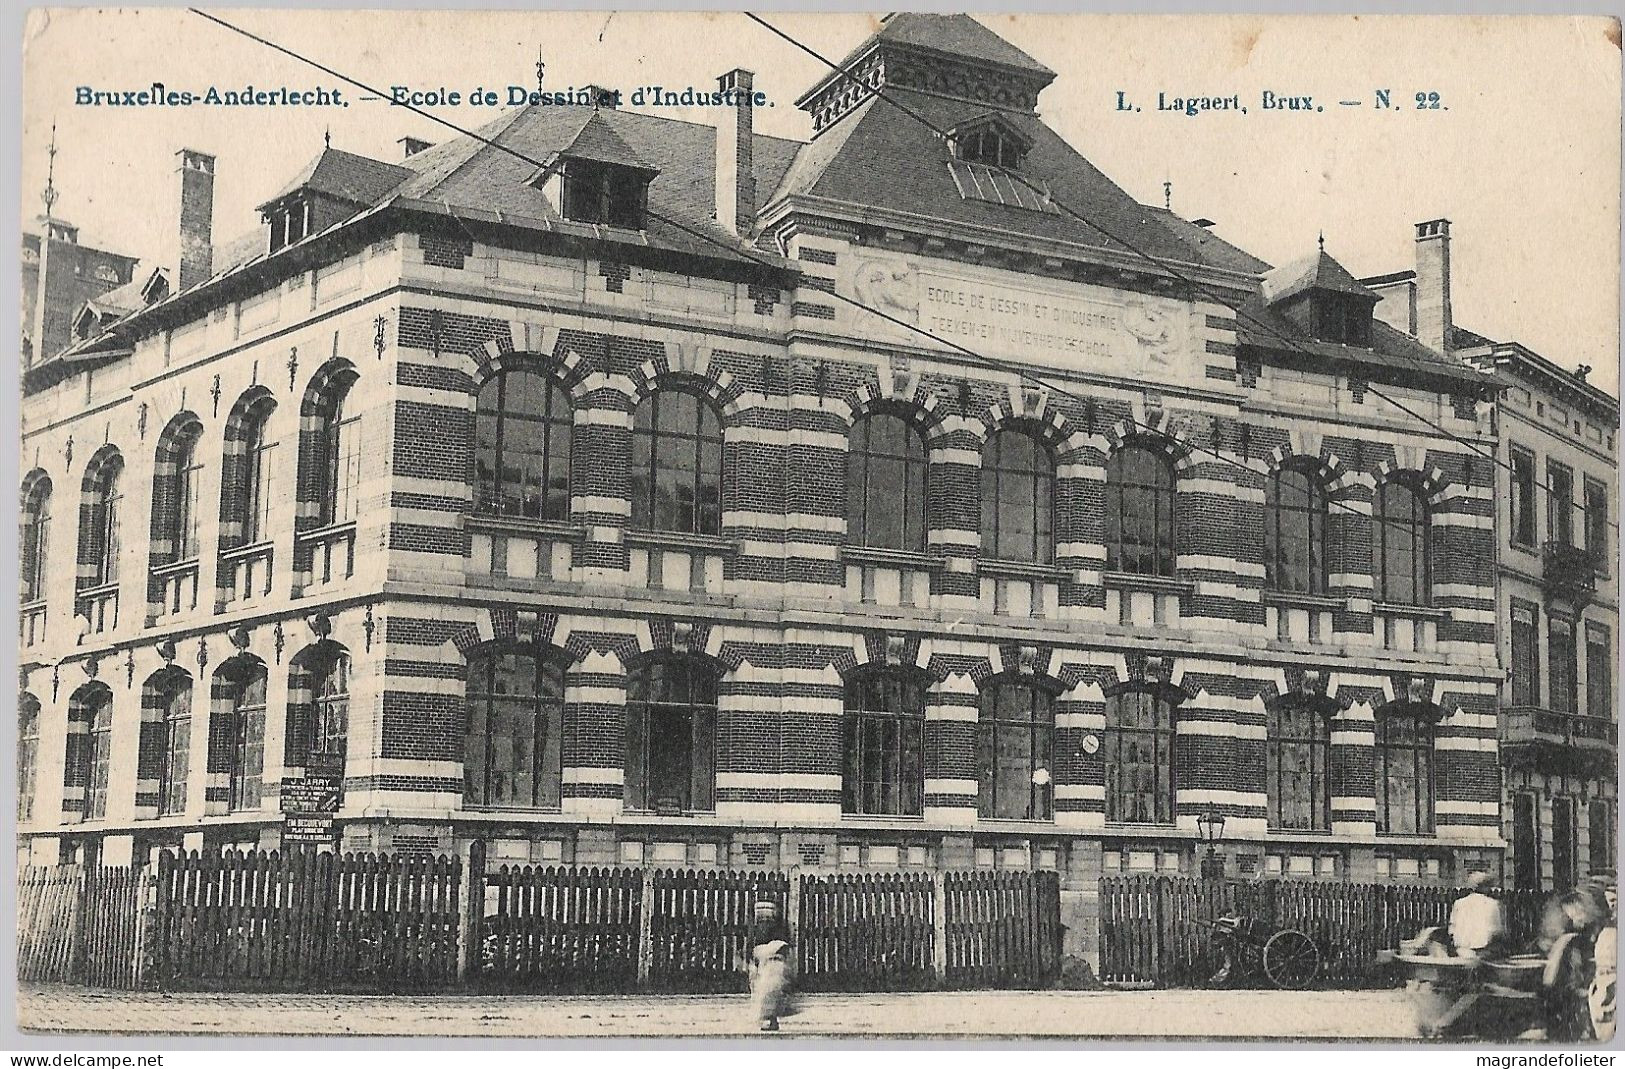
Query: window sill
point(684, 540)
point(180, 567)
point(881, 818)
point(495, 522)
point(1024, 570)
point(252, 549)
point(892, 558)
point(510, 810)
point(85, 593)
point(1529, 548)
point(1160, 584)
point(322, 534)
point(1420, 612)
point(38, 605)
point(1293, 600)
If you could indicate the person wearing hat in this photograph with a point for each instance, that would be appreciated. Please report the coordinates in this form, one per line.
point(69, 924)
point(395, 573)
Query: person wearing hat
point(1475, 919)
point(769, 964)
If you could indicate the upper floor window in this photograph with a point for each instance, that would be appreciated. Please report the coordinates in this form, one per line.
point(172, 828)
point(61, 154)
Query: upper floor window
point(1600, 656)
point(605, 193)
point(1018, 498)
point(1015, 751)
point(515, 729)
point(1559, 503)
point(522, 429)
point(1525, 654)
point(1140, 512)
point(1404, 771)
point(36, 538)
point(886, 484)
point(176, 483)
point(1597, 523)
point(247, 483)
point(671, 723)
point(1139, 757)
point(1295, 530)
point(1297, 758)
point(677, 464)
point(1399, 527)
point(100, 539)
point(1564, 684)
point(884, 746)
point(1522, 502)
point(330, 447)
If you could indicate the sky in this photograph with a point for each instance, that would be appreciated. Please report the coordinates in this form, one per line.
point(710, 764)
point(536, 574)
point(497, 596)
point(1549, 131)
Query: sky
point(1522, 154)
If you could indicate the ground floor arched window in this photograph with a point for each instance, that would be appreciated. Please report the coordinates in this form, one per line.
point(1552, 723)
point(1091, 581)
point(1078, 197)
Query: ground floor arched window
point(671, 718)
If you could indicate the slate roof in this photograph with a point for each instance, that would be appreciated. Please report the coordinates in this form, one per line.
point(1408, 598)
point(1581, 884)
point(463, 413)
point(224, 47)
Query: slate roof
point(952, 35)
point(1315, 272)
point(357, 179)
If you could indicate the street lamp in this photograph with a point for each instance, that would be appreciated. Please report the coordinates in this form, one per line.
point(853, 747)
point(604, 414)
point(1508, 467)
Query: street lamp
point(1211, 826)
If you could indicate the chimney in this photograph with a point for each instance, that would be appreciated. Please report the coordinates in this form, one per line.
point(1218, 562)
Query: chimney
point(197, 218)
point(736, 188)
point(411, 146)
point(1433, 321)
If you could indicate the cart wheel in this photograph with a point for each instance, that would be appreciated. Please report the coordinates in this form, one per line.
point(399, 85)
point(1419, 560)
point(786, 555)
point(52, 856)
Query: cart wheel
point(1291, 959)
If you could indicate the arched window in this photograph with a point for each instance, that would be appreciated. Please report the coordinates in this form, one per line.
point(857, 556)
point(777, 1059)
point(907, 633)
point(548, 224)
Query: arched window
point(1404, 768)
point(1295, 530)
point(36, 538)
point(884, 744)
point(27, 754)
point(100, 522)
point(671, 723)
point(512, 744)
point(522, 428)
point(1297, 765)
point(1140, 512)
point(1018, 499)
point(166, 737)
point(341, 453)
point(177, 475)
point(1015, 751)
point(90, 760)
point(1139, 755)
point(330, 701)
point(676, 464)
point(1399, 527)
point(240, 706)
point(247, 478)
point(885, 484)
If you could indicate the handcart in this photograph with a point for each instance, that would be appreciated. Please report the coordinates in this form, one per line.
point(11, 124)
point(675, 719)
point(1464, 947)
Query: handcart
point(1286, 957)
point(1498, 997)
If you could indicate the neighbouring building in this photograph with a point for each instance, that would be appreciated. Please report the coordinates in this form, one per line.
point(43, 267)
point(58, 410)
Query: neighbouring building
point(1557, 602)
point(73, 274)
point(566, 501)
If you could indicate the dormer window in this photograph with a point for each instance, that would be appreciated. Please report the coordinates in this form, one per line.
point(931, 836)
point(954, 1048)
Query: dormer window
point(1342, 318)
point(605, 193)
point(290, 222)
point(990, 141)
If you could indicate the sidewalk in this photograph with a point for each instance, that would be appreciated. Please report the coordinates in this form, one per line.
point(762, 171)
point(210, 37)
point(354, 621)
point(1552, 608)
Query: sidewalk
point(958, 1014)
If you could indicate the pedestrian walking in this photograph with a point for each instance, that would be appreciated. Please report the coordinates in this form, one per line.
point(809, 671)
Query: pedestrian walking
point(769, 965)
point(1605, 960)
point(1476, 923)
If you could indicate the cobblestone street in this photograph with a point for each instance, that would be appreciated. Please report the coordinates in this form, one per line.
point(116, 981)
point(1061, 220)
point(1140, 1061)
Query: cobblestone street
point(1205, 1014)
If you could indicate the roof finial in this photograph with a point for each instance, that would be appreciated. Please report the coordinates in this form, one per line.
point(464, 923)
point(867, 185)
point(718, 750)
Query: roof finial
point(541, 67)
point(327, 137)
point(1321, 241)
point(50, 194)
point(1167, 195)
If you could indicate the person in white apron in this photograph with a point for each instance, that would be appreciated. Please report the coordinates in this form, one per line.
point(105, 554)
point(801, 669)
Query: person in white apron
point(769, 965)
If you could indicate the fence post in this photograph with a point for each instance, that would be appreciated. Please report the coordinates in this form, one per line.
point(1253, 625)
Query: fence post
point(469, 928)
point(939, 926)
point(646, 916)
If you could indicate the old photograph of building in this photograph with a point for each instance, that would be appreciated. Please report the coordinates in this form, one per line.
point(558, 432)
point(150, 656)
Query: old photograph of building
point(837, 539)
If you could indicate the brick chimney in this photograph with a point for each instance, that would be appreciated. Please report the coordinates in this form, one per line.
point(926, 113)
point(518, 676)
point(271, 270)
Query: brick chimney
point(196, 218)
point(1433, 320)
point(736, 187)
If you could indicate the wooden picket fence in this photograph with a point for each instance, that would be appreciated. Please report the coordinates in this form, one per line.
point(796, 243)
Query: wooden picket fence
point(1003, 928)
point(78, 925)
point(699, 925)
point(866, 932)
point(1152, 928)
point(304, 919)
point(557, 928)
